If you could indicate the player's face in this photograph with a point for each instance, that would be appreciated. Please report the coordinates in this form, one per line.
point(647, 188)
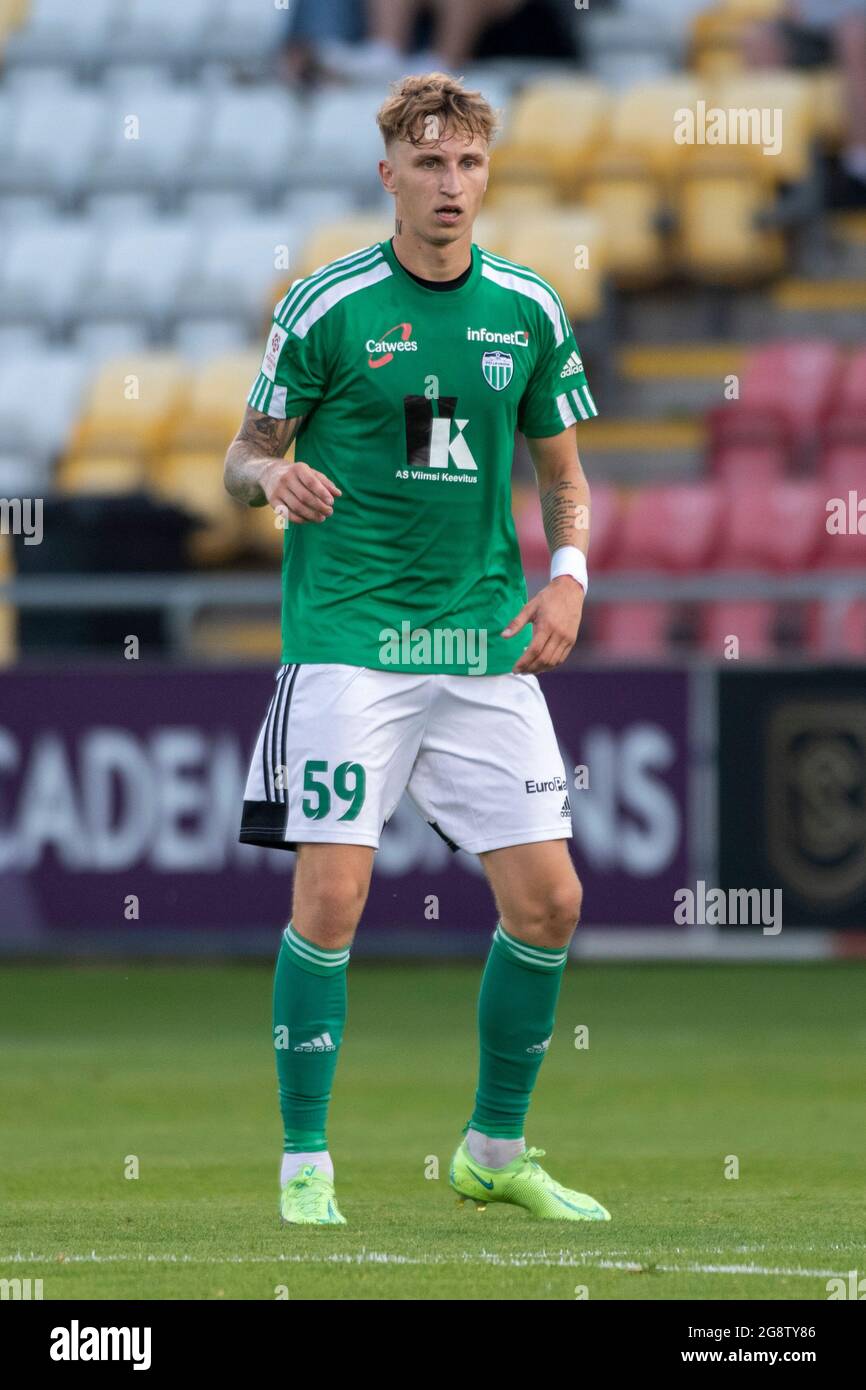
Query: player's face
point(439, 184)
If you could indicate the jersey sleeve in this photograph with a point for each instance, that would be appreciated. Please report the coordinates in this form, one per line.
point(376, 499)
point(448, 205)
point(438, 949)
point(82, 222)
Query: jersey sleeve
point(293, 377)
point(557, 394)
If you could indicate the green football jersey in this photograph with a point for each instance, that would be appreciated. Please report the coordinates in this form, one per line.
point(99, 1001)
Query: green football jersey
point(410, 399)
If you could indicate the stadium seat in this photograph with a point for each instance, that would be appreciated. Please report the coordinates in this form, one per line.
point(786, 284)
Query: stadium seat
point(161, 29)
point(251, 138)
point(628, 199)
point(45, 270)
point(831, 117)
point(131, 405)
point(194, 482)
point(552, 129)
point(843, 481)
point(836, 629)
point(791, 93)
point(843, 467)
point(142, 270)
point(39, 434)
point(36, 159)
point(55, 31)
point(786, 389)
point(86, 473)
point(721, 238)
point(845, 413)
point(214, 402)
point(643, 120)
point(235, 270)
point(341, 238)
point(639, 631)
point(749, 465)
point(548, 242)
point(671, 527)
point(341, 137)
point(777, 527)
point(163, 152)
point(750, 622)
point(244, 32)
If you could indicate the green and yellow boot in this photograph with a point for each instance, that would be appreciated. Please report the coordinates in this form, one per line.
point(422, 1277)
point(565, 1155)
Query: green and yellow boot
point(308, 1199)
point(523, 1183)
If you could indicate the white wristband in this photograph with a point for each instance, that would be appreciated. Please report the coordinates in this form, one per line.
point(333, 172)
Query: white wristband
point(568, 559)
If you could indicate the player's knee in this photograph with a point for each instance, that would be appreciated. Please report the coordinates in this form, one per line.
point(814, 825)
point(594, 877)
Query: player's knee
point(329, 910)
point(563, 910)
point(550, 919)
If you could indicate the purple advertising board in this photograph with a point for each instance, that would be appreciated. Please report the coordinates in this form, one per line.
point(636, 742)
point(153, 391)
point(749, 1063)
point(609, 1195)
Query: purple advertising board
point(121, 792)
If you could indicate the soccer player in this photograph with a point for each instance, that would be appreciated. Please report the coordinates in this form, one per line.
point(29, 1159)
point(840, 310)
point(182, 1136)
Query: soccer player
point(410, 653)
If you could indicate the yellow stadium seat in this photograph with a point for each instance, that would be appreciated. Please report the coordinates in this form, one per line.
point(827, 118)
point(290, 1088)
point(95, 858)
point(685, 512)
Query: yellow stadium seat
point(194, 481)
point(99, 473)
point(645, 117)
point(491, 230)
point(755, 9)
point(566, 248)
point(12, 16)
point(341, 238)
point(554, 127)
point(628, 199)
point(508, 195)
point(716, 42)
point(214, 405)
point(717, 239)
point(792, 94)
point(132, 405)
point(831, 119)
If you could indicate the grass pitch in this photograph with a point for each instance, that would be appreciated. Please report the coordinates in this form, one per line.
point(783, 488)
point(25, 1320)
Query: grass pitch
point(688, 1068)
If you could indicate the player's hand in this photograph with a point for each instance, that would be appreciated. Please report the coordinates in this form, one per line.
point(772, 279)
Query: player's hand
point(555, 615)
point(298, 492)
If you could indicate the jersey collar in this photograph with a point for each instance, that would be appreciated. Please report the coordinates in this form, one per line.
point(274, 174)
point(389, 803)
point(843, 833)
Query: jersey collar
point(449, 296)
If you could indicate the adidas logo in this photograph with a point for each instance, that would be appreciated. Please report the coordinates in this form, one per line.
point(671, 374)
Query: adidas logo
point(540, 1047)
point(565, 813)
point(322, 1044)
point(572, 366)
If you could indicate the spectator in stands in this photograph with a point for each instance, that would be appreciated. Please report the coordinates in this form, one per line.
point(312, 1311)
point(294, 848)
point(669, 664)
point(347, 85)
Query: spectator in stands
point(819, 33)
point(323, 39)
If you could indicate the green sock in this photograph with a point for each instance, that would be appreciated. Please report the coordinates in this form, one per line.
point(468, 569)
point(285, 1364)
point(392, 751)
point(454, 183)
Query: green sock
point(309, 1017)
point(516, 1011)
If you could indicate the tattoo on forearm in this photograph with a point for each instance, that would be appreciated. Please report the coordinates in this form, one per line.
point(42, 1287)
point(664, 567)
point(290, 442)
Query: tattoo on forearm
point(562, 513)
point(259, 439)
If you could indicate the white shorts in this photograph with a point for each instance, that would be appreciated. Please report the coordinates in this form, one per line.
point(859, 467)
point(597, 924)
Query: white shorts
point(340, 744)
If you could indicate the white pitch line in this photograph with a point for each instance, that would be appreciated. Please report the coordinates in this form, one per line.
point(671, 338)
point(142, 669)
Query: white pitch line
point(565, 1259)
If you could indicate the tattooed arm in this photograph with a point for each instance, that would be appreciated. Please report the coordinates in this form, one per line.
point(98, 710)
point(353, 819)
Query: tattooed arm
point(556, 610)
point(257, 472)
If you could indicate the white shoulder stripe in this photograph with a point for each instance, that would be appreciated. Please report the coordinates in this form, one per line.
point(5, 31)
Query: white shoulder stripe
point(340, 290)
point(565, 411)
point(304, 290)
point(533, 291)
point(512, 268)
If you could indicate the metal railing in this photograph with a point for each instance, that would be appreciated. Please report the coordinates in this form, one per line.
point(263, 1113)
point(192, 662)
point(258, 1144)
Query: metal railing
point(183, 598)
